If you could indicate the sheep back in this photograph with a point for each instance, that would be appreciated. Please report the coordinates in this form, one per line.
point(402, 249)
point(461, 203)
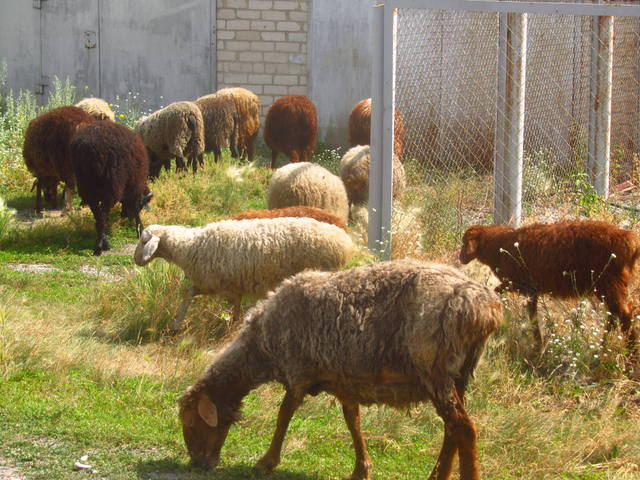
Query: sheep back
point(310, 185)
point(176, 130)
point(354, 172)
point(360, 127)
point(247, 106)
point(298, 211)
point(97, 108)
point(425, 322)
point(110, 163)
point(46, 145)
point(291, 127)
point(220, 121)
point(250, 257)
point(565, 259)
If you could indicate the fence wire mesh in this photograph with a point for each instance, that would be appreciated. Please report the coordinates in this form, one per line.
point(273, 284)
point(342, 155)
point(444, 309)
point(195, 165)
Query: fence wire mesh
point(447, 94)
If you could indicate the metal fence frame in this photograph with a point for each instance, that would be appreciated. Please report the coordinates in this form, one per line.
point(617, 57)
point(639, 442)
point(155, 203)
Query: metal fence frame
point(508, 158)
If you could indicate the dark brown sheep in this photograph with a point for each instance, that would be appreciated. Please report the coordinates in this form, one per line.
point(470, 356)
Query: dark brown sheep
point(46, 152)
point(111, 165)
point(360, 127)
point(291, 127)
point(413, 332)
point(298, 211)
point(565, 259)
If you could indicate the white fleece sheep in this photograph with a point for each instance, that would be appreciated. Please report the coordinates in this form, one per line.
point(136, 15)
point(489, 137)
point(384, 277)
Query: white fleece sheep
point(175, 131)
point(354, 171)
point(97, 108)
point(308, 184)
point(233, 258)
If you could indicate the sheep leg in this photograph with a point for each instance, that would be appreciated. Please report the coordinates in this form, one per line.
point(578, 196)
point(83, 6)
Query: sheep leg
point(68, 197)
point(237, 310)
point(217, 154)
point(271, 458)
point(100, 213)
point(38, 198)
point(459, 435)
point(274, 156)
point(362, 470)
point(616, 301)
point(184, 306)
point(180, 165)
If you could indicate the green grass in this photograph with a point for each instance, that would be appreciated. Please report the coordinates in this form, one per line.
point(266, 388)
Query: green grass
point(88, 366)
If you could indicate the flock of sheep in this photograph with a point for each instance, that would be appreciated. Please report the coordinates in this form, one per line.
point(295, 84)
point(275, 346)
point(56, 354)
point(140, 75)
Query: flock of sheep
point(396, 332)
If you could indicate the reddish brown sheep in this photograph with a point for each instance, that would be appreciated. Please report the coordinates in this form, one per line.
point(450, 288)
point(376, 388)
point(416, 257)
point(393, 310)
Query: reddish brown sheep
point(46, 152)
point(111, 165)
point(298, 211)
point(360, 127)
point(291, 127)
point(565, 259)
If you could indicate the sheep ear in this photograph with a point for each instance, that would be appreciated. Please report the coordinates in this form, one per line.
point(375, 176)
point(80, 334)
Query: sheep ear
point(208, 410)
point(150, 247)
point(472, 246)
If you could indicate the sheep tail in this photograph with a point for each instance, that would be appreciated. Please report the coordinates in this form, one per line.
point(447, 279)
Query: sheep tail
point(192, 122)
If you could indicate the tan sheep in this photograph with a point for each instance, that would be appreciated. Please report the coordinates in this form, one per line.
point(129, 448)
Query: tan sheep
point(248, 111)
point(308, 184)
point(220, 123)
point(97, 108)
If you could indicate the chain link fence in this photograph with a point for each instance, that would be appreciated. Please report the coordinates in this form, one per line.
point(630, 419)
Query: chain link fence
point(447, 88)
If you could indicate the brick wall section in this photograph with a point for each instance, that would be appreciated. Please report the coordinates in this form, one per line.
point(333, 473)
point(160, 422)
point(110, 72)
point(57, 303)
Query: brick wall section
point(262, 46)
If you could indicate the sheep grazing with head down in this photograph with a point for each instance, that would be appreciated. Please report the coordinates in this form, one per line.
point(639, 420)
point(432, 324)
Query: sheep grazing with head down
point(394, 333)
point(233, 258)
point(220, 124)
point(360, 127)
point(310, 185)
point(247, 106)
point(111, 166)
point(291, 127)
point(46, 153)
point(175, 131)
point(97, 108)
point(299, 211)
point(354, 172)
point(565, 259)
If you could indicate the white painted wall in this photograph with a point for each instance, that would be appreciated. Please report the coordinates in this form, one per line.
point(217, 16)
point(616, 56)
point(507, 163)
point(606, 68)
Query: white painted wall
point(339, 63)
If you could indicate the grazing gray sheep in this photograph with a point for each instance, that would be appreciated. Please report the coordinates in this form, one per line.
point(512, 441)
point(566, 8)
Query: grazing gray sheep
point(220, 124)
point(175, 131)
point(394, 333)
point(234, 258)
point(354, 172)
point(311, 185)
point(97, 108)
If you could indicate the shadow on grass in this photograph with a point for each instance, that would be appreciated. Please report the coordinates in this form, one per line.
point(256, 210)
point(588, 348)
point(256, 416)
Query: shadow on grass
point(172, 469)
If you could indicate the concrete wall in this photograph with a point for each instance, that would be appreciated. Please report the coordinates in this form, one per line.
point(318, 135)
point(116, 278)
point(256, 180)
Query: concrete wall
point(339, 63)
point(20, 43)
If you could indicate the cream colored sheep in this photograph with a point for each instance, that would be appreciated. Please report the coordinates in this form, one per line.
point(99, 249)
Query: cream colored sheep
point(233, 258)
point(97, 108)
point(354, 172)
point(311, 185)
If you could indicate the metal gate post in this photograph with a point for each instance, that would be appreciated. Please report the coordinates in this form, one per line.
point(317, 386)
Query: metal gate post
point(509, 144)
point(599, 146)
point(382, 120)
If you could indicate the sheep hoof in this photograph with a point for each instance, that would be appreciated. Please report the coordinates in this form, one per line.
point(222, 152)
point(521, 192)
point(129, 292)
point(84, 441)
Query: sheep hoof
point(266, 464)
point(97, 252)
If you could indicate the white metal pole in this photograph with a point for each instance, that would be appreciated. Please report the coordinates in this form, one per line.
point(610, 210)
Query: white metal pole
point(382, 128)
point(599, 146)
point(509, 144)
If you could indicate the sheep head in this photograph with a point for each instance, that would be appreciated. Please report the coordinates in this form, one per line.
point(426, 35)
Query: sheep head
point(470, 243)
point(147, 246)
point(203, 430)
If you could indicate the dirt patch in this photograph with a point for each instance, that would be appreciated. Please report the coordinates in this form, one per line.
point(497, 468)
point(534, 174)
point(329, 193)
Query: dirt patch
point(126, 249)
point(8, 473)
point(33, 267)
